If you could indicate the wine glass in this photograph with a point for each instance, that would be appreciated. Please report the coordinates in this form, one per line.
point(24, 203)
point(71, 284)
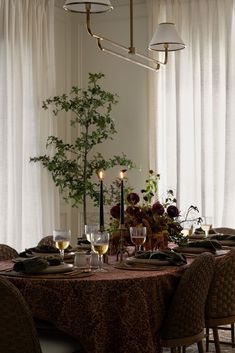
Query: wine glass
point(138, 236)
point(62, 239)
point(89, 228)
point(100, 245)
point(187, 229)
point(206, 224)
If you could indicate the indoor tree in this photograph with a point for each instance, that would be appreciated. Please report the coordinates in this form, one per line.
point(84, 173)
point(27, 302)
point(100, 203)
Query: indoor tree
point(73, 165)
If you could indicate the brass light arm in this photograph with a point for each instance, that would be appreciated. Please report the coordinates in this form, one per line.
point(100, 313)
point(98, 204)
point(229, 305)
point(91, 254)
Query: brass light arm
point(155, 60)
point(110, 51)
point(97, 36)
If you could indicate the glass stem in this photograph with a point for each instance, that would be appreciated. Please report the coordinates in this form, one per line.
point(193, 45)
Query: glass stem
point(206, 233)
point(62, 255)
point(100, 261)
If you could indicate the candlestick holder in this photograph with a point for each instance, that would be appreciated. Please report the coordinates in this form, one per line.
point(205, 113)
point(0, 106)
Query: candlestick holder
point(121, 249)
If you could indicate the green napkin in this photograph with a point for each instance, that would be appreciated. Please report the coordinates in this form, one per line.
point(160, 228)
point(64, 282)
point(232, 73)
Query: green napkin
point(31, 265)
point(223, 237)
point(211, 245)
point(167, 255)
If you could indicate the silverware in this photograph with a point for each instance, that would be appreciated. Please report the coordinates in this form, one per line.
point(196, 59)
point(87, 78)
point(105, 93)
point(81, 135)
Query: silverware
point(76, 272)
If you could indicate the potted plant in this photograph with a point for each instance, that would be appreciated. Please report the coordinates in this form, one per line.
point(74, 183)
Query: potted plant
point(73, 165)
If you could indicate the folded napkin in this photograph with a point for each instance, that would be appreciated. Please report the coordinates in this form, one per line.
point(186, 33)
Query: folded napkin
point(166, 255)
point(211, 245)
point(201, 231)
point(223, 237)
point(31, 265)
point(39, 249)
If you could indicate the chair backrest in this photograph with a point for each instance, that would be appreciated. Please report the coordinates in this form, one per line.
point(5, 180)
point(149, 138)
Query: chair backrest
point(18, 333)
point(185, 317)
point(221, 297)
point(7, 253)
point(48, 240)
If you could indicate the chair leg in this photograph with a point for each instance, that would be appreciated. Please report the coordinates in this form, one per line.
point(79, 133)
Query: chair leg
point(216, 340)
point(184, 349)
point(207, 338)
point(232, 335)
point(200, 347)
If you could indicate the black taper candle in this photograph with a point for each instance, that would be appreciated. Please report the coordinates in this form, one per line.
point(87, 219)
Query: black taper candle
point(122, 200)
point(101, 202)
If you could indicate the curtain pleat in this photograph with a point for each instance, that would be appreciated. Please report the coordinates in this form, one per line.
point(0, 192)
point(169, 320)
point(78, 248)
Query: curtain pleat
point(27, 194)
point(193, 111)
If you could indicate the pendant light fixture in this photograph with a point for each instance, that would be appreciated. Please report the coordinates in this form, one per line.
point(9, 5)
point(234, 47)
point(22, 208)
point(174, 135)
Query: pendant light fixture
point(165, 38)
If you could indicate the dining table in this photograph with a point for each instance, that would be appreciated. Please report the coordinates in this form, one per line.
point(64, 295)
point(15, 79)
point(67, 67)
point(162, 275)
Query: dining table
point(117, 311)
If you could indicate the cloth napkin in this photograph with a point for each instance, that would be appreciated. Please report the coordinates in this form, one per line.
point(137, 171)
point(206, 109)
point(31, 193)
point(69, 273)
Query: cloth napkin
point(39, 249)
point(201, 231)
point(166, 255)
point(31, 265)
point(211, 245)
point(223, 237)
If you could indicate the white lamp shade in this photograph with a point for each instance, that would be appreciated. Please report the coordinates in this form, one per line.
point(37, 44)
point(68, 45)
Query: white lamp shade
point(166, 33)
point(96, 6)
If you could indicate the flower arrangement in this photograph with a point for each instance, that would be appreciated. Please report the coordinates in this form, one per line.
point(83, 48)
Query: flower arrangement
point(161, 219)
point(158, 218)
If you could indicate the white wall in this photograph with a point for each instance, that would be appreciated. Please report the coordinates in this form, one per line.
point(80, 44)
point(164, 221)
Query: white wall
point(77, 54)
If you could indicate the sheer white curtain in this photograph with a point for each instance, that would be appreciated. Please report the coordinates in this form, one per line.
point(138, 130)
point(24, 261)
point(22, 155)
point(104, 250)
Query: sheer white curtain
point(192, 111)
point(26, 78)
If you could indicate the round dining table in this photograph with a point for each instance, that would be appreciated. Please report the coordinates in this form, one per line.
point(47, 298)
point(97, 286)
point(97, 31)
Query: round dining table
point(118, 311)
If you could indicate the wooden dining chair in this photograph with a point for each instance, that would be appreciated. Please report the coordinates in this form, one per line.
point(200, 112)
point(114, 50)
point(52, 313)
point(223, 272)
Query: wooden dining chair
point(47, 240)
point(18, 332)
point(220, 305)
point(184, 322)
point(7, 252)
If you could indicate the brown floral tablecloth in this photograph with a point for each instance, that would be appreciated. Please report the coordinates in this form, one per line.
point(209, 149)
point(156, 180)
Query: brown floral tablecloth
point(119, 311)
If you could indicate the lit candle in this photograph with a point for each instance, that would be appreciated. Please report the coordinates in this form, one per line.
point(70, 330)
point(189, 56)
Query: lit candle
point(101, 202)
point(122, 199)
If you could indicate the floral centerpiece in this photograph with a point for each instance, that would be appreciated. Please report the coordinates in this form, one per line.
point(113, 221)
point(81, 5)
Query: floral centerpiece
point(161, 219)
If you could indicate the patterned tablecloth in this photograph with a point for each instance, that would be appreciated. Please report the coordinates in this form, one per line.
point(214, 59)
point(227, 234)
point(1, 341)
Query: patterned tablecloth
point(119, 311)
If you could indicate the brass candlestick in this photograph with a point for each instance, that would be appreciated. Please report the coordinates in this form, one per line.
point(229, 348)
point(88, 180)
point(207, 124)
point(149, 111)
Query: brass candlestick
point(121, 249)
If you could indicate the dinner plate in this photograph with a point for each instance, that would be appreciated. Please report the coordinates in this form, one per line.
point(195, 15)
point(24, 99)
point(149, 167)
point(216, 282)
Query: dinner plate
point(46, 254)
point(155, 262)
point(58, 269)
point(197, 251)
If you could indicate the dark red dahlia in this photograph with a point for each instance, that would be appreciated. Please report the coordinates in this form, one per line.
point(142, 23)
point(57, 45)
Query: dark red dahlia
point(115, 211)
point(133, 211)
point(158, 208)
point(172, 211)
point(133, 198)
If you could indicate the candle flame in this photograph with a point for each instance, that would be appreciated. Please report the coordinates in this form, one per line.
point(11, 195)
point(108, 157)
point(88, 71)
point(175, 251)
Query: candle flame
point(121, 174)
point(101, 174)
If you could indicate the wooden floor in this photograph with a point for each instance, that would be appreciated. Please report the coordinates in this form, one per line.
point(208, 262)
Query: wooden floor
point(224, 336)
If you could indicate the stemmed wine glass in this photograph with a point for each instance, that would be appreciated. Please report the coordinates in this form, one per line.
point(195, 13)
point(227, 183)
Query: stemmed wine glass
point(62, 239)
point(138, 236)
point(206, 224)
point(89, 228)
point(100, 245)
point(187, 228)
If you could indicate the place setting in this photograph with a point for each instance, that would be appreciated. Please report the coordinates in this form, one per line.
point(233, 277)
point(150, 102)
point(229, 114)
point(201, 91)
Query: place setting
point(154, 260)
